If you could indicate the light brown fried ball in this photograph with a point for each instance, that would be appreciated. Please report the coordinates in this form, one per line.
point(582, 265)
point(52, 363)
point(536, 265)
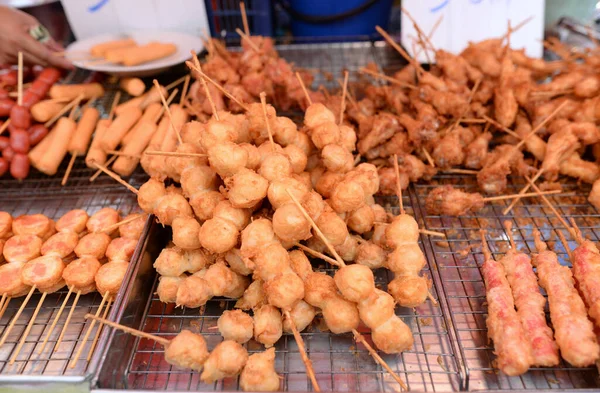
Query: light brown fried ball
point(268, 326)
point(259, 374)
point(187, 350)
point(246, 188)
point(236, 325)
point(355, 282)
point(226, 360)
point(167, 288)
point(110, 277)
point(185, 233)
point(72, 221)
point(43, 272)
point(409, 291)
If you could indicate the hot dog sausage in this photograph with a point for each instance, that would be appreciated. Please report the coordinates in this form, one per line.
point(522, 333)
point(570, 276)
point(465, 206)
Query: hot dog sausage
point(10, 78)
point(4, 142)
point(124, 165)
point(119, 127)
point(8, 153)
point(49, 76)
point(133, 86)
point(142, 101)
point(3, 166)
point(3, 94)
point(19, 141)
point(45, 110)
point(19, 166)
point(39, 87)
point(100, 49)
point(6, 105)
point(37, 132)
point(149, 52)
point(30, 99)
point(150, 115)
point(70, 92)
point(57, 149)
point(95, 153)
point(20, 117)
point(83, 133)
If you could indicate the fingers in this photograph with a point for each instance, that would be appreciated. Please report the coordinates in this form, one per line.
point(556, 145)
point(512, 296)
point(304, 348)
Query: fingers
point(34, 51)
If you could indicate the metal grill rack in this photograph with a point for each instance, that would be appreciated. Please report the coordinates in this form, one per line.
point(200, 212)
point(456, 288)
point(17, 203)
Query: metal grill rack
point(339, 364)
point(459, 258)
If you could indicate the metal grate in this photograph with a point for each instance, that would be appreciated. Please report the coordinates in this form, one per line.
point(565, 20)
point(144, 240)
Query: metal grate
point(459, 258)
point(54, 202)
point(339, 364)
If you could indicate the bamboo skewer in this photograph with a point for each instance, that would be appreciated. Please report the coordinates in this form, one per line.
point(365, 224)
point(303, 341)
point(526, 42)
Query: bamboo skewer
point(4, 126)
point(115, 177)
point(4, 306)
point(302, 350)
point(12, 323)
point(55, 321)
point(112, 227)
point(167, 110)
point(27, 330)
point(20, 79)
point(304, 88)
point(248, 40)
point(113, 107)
point(134, 332)
point(64, 110)
point(344, 91)
point(217, 85)
point(428, 157)
point(98, 331)
point(184, 91)
point(316, 254)
point(122, 154)
point(69, 316)
point(176, 82)
point(398, 186)
point(384, 77)
point(244, 18)
point(263, 102)
point(88, 332)
point(526, 195)
point(99, 171)
point(2, 301)
point(213, 107)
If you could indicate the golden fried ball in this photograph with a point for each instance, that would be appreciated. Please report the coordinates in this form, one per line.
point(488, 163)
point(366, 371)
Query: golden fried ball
point(379, 213)
point(337, 159)
point(361, 220)
point(348, 249)
point(133, 229)
point(121, 248)
point(225, 282)
point(227, 158)
point(226, 360)
point(236, 325)
point(340, 315)
point(313, 204)
point(278, 191)
point(302, 315)
point(355, 282)
point(193, 292)
point(297, 158)
point(174, 166)
point(216, 132)
point(271, 260)
point(259, 374)
point(303, 142)
point(284, 130)
point(284, 290)
point(22, 248)
point(402, 230)
point(218, 235)
point(300, 264)
point(377, 308)
point(370, 255)
point(256, 236)
point(267, 148)
point(347, 195)
point(198, 179)
point(239, 217)
point(275, 166)
point(394, 336)
point(407, 259)
point(236, 262)
point(325, 134)
point(253, 161)
point(172, 206)
point(191, 131)
point(318, 113)
point(409, 291)
point(333, 227)
point(290, 225)
point(253, 297)
point(185, 233)
point(204, 204)
point(268, 327)
point(318, 288)
point(347, 138)
point(187, 350)
point(246, 188)
point(167, 288)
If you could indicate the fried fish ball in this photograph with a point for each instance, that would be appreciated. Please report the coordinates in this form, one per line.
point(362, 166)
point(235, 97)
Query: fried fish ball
point(258, 234)
point(409, 291)
point(150, 193)
point(253, 297)
point(22, 248)
point(185, 233)
point(217, 132)
point(355, 282)
point(103, 218)
point(284, 290)
point(340, 315)
point(225, 282)
point(370, 255)
point(297, 158)
point(246, 188)
point(80, 274)
point(361, 220)
point(227, 158)
point(174, 166)
point(236, 325)
point(324, 134)
point(204, 204)
point(278, 191)
point(193, 292)
point(93, 245)
point(167, 288)
point(61, 244)
point(135, 228)
point(336, 158)
point(333, 227)
point(35, 224)
point(290, 225)
point(347, 195)
point(187, 350)
point(197, 179)
point(171, 206)
point(348, 249)
point(239, 217)
point(121, 249)
point(327, 183)
point(110, 277)
point(377, 308)
point(402, 230)
point(316, 114)
point(275, 166)
point(313, 203)
point(237, 263)
point(43, 272)
point(285, 130)
point(174, 261)
point(72, 221)
point(11, 283)
point(226, 360)
point(218, 235)
point(300, 264)
point(302, 315)
point(5, 225)
point(268, 326)
point(394, 336)
point(407, 259)
point(253, 161)
point(259, 374)
point(347, 137)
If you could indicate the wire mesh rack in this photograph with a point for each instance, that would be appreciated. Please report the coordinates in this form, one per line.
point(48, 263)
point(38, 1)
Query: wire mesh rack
point(339, 363)
point(459, 258)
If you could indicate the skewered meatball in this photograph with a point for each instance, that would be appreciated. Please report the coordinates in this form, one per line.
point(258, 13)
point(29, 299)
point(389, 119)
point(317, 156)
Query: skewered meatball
point(290, 225)
point(237, 263)
point(167, 288)
point(43, 272)
point(11, 283)
point(81, 274)
point(355, 282)
point(409, 291)
point(246, 188)
point(174, 261)
point(302, 315)
point(236, 325)
point(402, 230)
point(259, 373)
point(300, 264)
point(135, 228)
point(340, 315)
point(102, 219)
point(361, 220)
point(22, 248)
point(61, 244)
point(394, 336)
point(150, 193)
point(121, 249)
point(226, 360)
point(218, 235)
point(171, 206)
point(227, 158)
point(336, 158)
point(253, 297)
point(278, 191)
point(110, 276)
point(333, 227)
point(72, 221)
point(193, 292)
point(93, 244)
point(370, 255)
point(187, 350)
point(275, 166)
point(186, 233)
point(268, 327)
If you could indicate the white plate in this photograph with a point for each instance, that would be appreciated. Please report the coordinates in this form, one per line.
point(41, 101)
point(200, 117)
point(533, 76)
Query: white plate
point(185, 43)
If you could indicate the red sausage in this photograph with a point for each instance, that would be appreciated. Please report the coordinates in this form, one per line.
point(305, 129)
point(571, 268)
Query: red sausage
point(39, 87)
point(6, 105)
point(10, 78)
point(3, 166)
point(4, 142)
point(8, 153)
point(3, 94)
point(19, 166)
point(30, 98)
point(37, 70)
point(19, 141)
point(50, 76)
point(37, 132)
point(20, 117)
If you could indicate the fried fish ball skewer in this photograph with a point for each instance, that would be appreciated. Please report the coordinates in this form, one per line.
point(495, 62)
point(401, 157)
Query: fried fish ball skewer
point(573, 331)
point(186, 350)
point(530, 304)
point(259, 374)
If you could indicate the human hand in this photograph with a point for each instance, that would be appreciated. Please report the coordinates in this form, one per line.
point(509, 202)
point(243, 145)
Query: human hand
point(15, 38)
